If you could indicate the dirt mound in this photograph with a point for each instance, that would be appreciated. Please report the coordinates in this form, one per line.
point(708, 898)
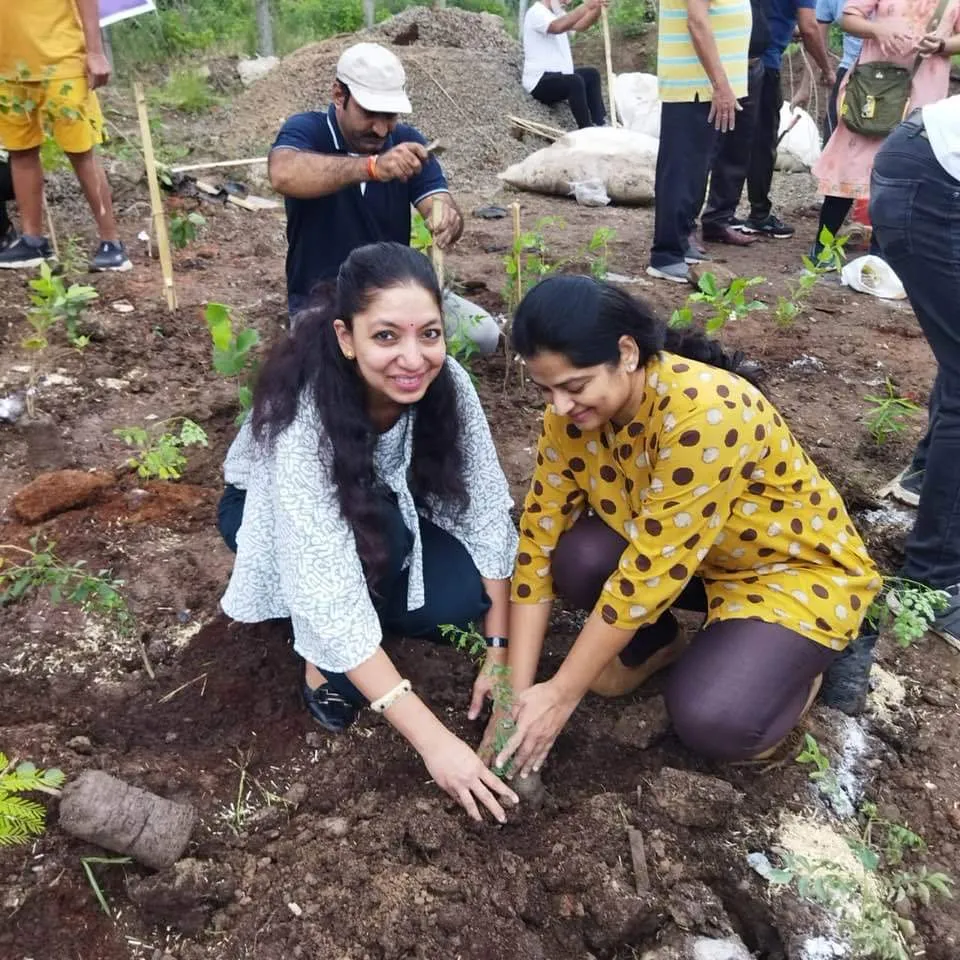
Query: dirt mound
point(463, 78)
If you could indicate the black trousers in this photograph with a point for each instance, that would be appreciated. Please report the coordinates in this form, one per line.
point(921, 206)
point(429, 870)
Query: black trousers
point(728, 172)
point(453, 589)
point(6, 193)
point(763, 158)
point(687, 143)
point(915, 209)
point(581, 89)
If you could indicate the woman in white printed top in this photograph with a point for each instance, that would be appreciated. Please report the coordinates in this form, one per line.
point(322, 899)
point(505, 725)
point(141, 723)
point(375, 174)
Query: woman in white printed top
point(372, 501)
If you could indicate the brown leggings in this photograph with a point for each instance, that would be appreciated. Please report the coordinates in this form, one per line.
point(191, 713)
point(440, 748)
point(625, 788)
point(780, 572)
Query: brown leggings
point(741, 685)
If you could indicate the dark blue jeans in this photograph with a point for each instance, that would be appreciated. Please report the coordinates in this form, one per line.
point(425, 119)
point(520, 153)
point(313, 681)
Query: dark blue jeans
point(453, 588)
point(915, 208)
point(686, 149)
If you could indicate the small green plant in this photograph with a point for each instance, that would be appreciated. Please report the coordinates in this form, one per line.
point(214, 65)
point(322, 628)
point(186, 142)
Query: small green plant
point(462, 347)
point(888, 414)
point(233, 352)
point(42, 569)
point(420, 236)
point(908, 607)
point(865, 903)
point(21, 819)
point(598, 252)
point(474, 646)
point(158, 450)
point(727, 304)
point(187, 91)
point(53, 301)
point(830, 257)
point(185, 228)
point(528, 262)
point(821, 773)
point(88, 864)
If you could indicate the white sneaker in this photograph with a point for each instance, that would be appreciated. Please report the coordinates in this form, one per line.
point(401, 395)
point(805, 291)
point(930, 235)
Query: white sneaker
point(675, 272)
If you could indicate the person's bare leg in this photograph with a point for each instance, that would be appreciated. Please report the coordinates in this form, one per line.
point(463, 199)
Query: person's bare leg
point(28, 188)
point(97, 191)
point(314, 677)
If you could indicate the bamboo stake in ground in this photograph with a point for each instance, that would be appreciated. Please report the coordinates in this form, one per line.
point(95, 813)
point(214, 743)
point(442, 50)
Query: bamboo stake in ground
point(436, 218)
point(605, 23)
point(156, 203)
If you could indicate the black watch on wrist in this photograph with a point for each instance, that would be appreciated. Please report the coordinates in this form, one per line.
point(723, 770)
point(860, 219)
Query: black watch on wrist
point(499, 643)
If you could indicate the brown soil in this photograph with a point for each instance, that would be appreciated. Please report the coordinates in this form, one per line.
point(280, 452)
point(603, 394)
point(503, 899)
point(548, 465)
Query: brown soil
point(338, 846)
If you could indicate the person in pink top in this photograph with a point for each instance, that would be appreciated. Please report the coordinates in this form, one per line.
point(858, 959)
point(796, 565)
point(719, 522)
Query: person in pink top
point(895, 31)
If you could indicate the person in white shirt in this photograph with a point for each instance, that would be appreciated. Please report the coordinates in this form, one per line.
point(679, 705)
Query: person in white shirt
point(548, 71)
point(915, 210)
point(364, 497)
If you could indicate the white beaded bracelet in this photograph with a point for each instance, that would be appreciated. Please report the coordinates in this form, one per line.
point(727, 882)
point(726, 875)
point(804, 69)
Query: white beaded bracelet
point(391, 697)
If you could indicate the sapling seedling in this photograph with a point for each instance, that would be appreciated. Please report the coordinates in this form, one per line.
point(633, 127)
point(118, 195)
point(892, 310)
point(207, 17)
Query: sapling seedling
point(865, 903)
point(53, 301)
point(420, 236)
point(158, 450)
point(908, 606)
point(727, 304)
point(830, 257)
point(22, 819)
point(598, 252)
point(889, 414)
point(42, 569)
point(474, 646)
point(233, 353)
point(821, 773)
point(185, 228)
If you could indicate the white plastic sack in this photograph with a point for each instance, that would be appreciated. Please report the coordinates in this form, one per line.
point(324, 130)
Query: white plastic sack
point(590, 193)
point(638, 102)
point(872, 275)
point(624, 161)
point(800, 145)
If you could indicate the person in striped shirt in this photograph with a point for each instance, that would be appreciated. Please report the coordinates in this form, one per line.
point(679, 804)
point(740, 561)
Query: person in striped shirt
point(702, 72)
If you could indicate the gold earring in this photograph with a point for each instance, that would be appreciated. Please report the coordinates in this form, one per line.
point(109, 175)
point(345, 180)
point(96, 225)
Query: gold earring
point(349, 356)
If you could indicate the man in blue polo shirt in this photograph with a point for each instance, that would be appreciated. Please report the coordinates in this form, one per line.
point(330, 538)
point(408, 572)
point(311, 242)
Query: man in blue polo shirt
point(783, 17)
point(350, 176)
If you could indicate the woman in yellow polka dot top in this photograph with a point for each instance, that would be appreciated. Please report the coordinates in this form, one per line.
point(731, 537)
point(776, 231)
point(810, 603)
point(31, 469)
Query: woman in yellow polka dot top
point(664, 481)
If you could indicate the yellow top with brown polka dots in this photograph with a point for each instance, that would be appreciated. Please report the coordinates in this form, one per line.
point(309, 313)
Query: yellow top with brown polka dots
point(706, 481)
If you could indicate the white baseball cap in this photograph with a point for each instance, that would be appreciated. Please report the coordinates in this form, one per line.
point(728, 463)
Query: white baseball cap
point(375, 77)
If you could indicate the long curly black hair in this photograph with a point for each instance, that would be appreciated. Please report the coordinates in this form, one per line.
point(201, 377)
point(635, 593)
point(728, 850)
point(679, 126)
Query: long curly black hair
point(583, 319)
point(309, 367)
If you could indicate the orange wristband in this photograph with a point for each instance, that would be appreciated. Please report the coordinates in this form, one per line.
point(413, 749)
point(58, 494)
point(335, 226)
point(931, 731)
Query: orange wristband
point(372, 167)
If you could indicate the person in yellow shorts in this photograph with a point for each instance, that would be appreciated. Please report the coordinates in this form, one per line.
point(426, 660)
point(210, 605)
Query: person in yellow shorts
point(665, 479)
point(51, 61)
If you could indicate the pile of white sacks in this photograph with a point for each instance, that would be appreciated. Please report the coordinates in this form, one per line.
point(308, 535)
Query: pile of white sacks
point(603, 164)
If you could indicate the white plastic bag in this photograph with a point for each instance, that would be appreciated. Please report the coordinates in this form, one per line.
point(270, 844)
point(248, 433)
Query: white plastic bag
point(872, 275)
point(590, 193)
point(625, 162)
point(638, 102)
point(799, 146)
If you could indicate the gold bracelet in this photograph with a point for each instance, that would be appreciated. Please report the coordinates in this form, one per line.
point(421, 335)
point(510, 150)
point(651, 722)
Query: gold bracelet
point(391, 697)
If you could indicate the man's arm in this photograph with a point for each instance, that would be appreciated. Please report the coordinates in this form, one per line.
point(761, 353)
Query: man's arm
point(814, 40)
point(724, 107)
point(305, 175)
point(589, 13)
point(98, 66)
point(569, 21)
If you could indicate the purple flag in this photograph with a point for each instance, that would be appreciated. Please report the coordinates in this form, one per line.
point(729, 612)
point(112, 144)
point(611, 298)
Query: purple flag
point(113, 10)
